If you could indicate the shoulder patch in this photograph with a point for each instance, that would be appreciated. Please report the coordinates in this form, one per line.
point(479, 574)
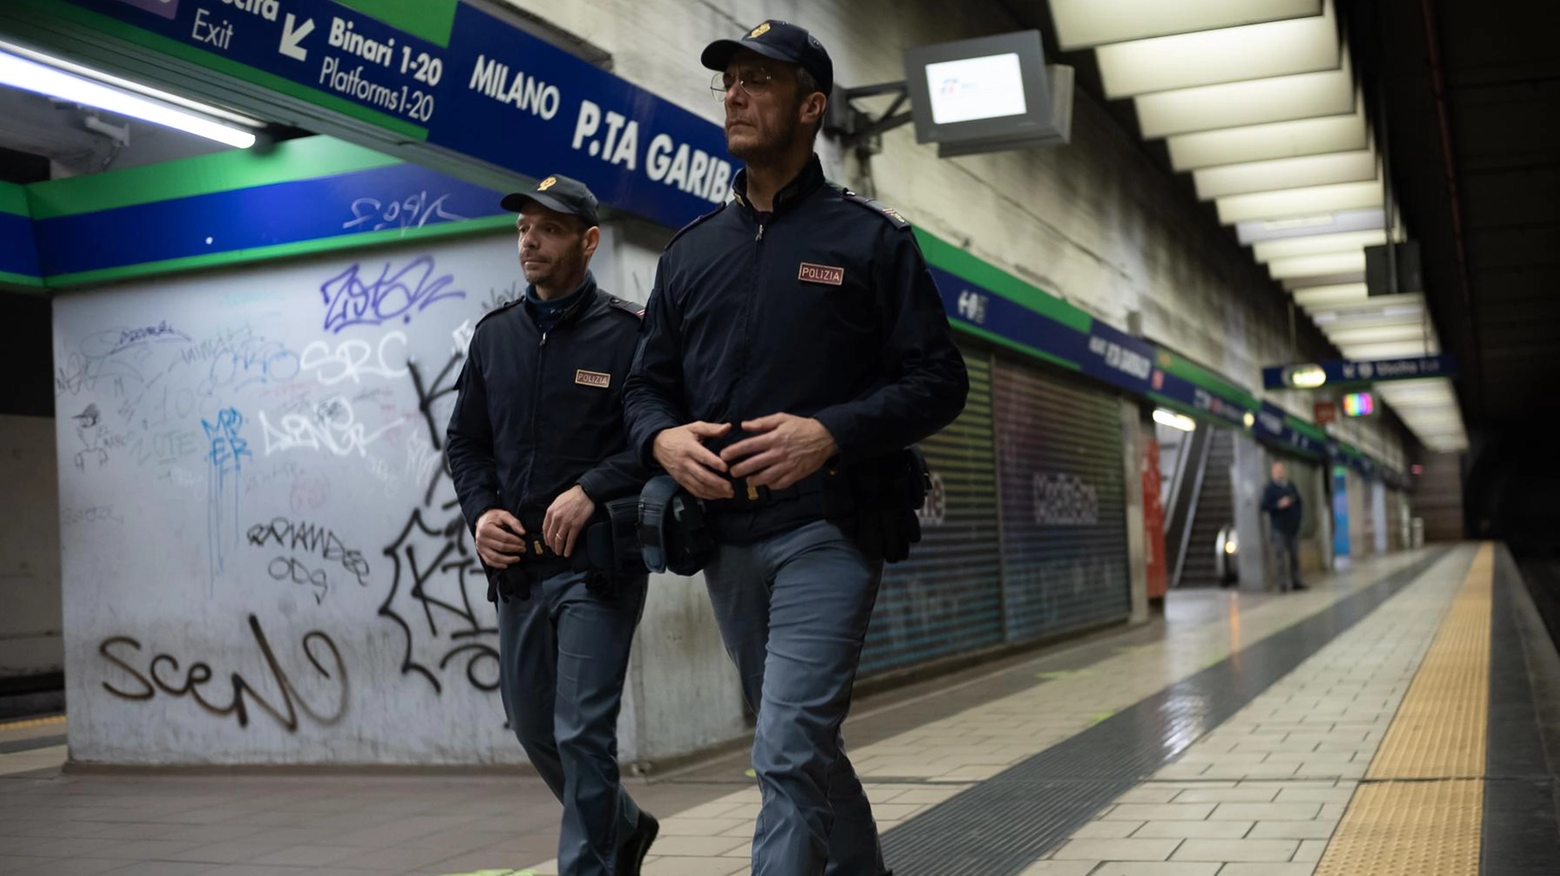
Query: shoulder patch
point(696, 223)
point(888, 213)
point(628, 307)
point(499, 309)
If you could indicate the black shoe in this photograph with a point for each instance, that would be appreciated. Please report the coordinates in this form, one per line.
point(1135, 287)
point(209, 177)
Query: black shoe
point(1299, 586)
point(631, 854)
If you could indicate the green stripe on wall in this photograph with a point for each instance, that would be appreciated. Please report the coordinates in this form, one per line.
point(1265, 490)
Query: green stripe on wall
point(6, 277)
point(430, 19)
point(309, 158)
point(285, 250)
point(1206, 379)
point(13, 199)
point(942, 254)
point(1034, 352)
point(218, 63)
point(1304, 428)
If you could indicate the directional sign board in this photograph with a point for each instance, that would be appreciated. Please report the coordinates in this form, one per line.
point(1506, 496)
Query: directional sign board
point(1367, 371)
point(490, 91)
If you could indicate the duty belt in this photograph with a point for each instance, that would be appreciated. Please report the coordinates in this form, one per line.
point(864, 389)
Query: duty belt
point(746, 496)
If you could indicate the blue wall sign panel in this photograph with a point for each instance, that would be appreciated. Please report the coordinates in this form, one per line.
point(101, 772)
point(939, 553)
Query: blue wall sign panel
point(1104, 353)
point(1189, 394)
point(1272, 426)
point(401, 196)
point(18, 251)
point(497, 94)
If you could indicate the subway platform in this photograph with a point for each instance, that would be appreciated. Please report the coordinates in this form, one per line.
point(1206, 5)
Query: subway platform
point(1397, 718)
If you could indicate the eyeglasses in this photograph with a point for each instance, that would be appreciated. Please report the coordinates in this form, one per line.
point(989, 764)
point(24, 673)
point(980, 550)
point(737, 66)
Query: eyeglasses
point(753, 81)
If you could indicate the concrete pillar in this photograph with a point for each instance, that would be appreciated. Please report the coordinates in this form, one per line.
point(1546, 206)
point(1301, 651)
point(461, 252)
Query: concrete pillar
point(1131, 463)
point(1322, 513)
point(1247, 479)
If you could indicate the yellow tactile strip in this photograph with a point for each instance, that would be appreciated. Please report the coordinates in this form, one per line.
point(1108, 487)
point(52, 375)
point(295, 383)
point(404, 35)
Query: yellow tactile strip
point(1421, 808)
point(1439, 730)
point(35, 722)
point(1409, 829)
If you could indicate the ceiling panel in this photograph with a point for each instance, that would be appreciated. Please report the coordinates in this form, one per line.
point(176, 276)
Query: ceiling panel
point(1253, 102)
point(1084, 23)
point(1211, 57)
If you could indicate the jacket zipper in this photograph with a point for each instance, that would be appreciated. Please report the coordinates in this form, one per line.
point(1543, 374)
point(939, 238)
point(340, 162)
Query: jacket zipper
point(536, 405)
point(747, 318)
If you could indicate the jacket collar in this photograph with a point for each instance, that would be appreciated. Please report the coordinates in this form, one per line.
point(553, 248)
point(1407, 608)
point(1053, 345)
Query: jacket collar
point(792, 193)
point(579, 301)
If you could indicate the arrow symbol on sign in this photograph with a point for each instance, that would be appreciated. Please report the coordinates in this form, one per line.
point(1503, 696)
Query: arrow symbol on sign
point(291, 37)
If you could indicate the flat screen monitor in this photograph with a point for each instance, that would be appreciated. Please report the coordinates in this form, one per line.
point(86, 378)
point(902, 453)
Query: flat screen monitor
point(984, 94)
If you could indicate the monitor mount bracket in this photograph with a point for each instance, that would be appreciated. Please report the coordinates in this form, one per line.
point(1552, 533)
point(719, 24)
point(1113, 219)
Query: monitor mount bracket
point(856, 128)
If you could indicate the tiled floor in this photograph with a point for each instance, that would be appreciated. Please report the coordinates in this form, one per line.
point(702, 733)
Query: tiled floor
point(1268, 787)
point(1260, 794)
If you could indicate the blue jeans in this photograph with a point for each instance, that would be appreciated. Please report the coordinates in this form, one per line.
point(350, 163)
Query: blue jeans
point(793, 611)
point(563, 655)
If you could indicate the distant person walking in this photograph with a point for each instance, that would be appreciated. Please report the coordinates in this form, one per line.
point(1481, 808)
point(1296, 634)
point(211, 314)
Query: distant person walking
point(1282, 503)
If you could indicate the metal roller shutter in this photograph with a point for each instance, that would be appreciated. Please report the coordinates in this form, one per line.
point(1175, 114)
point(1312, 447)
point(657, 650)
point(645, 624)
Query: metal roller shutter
point(947, 598)
point(1063, 503)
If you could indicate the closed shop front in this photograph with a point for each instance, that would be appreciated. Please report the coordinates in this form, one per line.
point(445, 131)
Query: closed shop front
point(1362, 531)
point(947, 598)
point(1397, 520)
point(1059, 449)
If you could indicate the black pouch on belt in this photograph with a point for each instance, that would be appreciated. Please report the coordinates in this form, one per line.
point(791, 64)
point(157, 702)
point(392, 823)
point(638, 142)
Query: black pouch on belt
point(887, 492)
point(611, 546)
point(507, 583)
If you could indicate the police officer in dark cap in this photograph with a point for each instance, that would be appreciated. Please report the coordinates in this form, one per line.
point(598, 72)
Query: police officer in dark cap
point(794, 343)
point(537, 448)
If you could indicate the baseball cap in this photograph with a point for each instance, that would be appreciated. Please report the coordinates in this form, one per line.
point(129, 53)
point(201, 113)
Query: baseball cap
point(558, 193)
point(781, 41)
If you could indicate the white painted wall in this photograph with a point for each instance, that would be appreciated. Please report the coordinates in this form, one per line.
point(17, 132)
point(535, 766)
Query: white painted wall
point(30, 640)
point(200, 413)
point(1094, 222)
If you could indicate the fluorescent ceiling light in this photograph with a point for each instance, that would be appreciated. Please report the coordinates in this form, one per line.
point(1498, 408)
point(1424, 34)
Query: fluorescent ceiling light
point(1230, 54)
point(1379, 307)
point(1082, 23)
point(1166, 417)
point(1339, 319)
point(1285, 173)
point(1252, 102)
point(1307, 201)
point(1343, 133)
point(1342, 335)
point(1306, 226)
point(1331, 296)
point(72, 83)
point(1317, 265)
point(1316, 244)
point(1385, 350)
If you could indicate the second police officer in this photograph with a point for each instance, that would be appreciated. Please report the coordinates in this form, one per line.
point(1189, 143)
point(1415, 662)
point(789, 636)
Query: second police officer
point(537, 449)
point(794, 345)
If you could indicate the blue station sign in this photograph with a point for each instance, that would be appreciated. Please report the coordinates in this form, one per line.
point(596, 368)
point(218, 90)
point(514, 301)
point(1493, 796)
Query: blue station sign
point(1310, 375)
point(493, 92)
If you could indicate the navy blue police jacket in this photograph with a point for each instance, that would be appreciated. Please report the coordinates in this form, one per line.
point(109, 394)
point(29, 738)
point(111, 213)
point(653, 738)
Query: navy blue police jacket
point(822, 308)
point(537, 413)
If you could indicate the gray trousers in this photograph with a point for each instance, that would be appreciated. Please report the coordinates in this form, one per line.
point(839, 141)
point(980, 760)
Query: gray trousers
point(793, 611)
point(563, 655)
point(1286, 558)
